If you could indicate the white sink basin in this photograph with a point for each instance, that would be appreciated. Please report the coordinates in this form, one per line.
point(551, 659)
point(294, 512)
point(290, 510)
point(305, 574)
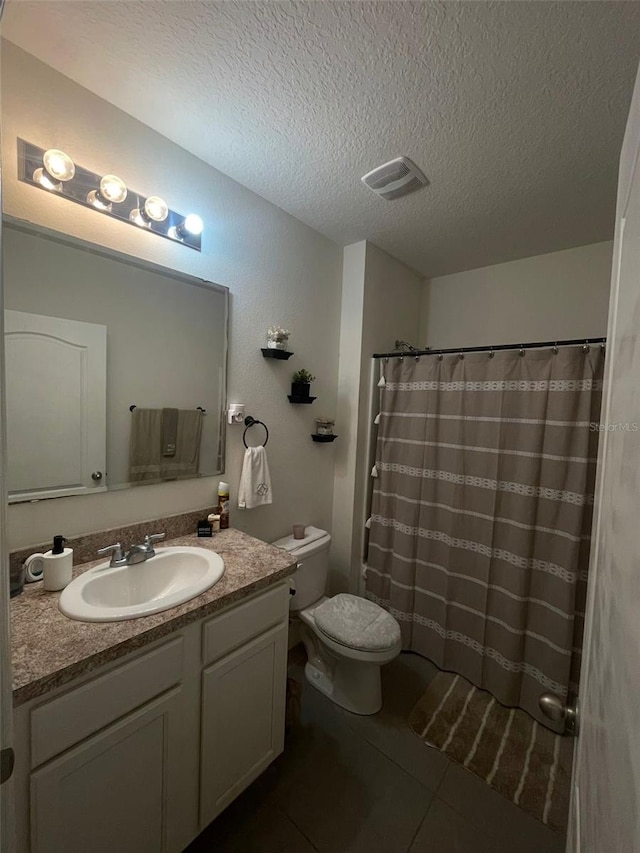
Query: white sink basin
point(173, 576)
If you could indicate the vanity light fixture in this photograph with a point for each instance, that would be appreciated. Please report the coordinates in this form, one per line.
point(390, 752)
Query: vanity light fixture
point(55, 171)
point(155, 209)
point(57, 167)
point(112, 190)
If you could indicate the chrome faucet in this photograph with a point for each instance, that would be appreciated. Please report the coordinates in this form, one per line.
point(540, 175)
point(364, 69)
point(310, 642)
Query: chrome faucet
point(137, 554)
point(118, 557)
point(140, 553)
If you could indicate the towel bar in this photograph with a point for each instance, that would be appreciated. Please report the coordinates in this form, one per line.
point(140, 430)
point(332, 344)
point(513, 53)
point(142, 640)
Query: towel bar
point(199, 408)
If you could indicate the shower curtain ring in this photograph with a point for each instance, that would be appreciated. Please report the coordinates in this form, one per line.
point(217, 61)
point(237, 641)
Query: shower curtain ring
point(521, 351)
point(555, 349)
point(603, 347)
point(586, 347)
point(440, 356)
point(386, 360)
point(491, 353)
point(460, 354)
point(417, 358)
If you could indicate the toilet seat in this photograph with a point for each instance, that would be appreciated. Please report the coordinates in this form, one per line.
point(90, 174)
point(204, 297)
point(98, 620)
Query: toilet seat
point(347, 639)
point(357, 623)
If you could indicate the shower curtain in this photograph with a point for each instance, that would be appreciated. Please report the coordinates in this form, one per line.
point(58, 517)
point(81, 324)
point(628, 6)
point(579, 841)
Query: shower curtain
point(481, 515)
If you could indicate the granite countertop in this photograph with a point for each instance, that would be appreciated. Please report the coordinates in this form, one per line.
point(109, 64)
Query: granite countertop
point(48, 649)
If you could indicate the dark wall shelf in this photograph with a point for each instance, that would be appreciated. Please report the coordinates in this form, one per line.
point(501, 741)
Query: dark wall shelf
point(299, 400)
point(281, 354)
point(323, 438)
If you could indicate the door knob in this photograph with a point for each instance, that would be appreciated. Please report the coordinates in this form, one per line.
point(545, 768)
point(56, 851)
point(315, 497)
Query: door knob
point(554, 708)
point(96, 476)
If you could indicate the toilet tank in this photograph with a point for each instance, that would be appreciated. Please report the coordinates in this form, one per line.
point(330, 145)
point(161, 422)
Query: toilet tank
point(312, 554)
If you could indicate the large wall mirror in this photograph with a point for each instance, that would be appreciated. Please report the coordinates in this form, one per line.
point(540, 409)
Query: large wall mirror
point(115, 368)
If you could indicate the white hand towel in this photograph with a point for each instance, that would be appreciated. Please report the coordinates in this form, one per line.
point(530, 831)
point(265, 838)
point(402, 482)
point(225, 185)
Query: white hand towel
point(255, 480)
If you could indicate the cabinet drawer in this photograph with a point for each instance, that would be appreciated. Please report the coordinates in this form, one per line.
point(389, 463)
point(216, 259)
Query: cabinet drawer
point(229, 630)
point(65, 721)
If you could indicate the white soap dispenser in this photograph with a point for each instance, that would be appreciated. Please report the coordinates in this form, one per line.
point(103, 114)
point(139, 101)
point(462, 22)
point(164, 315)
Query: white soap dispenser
point(54, 566)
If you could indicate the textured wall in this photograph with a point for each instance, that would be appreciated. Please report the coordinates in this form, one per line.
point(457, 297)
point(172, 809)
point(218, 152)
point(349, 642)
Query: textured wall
point(346, 447)
point(380, 303)
point(547, 297)
point(278, 270)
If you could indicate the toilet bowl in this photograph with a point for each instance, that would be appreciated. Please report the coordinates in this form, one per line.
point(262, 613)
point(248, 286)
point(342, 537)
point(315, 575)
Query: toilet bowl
point(347, 638)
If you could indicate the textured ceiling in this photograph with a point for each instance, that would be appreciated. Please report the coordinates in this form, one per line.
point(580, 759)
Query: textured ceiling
point(514, 110)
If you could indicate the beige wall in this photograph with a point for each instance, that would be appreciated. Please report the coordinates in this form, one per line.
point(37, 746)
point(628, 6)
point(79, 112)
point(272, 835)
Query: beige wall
point(278, 271)
point(348, 412)
point(380, 303)
point(547, 297)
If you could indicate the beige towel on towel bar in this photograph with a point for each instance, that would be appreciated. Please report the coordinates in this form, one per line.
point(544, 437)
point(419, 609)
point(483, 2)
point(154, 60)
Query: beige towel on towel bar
point(169, 431)
point(146, 460)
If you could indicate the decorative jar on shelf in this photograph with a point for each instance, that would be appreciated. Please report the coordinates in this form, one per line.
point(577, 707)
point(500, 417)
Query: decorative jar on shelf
point(277, 338)
point(324, 426)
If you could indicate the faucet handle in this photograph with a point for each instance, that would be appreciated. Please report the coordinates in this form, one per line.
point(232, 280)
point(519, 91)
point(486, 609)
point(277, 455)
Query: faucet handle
point(153, 537)
point(116, 551)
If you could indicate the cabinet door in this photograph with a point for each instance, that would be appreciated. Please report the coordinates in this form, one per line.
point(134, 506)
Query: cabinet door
point(243, 706)
point(109, 793)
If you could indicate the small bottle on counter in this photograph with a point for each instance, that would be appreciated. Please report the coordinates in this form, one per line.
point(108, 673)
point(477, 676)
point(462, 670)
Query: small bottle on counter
point(223, 505)
point(214, 520)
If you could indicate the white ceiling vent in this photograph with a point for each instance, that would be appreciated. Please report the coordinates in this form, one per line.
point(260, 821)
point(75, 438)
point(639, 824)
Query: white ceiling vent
point(394, 179)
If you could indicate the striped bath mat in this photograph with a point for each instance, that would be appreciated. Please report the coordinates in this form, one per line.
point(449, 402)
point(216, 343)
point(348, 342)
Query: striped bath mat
point(505, 747)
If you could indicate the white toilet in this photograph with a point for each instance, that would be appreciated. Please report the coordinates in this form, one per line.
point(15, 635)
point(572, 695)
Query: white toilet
point(347, 638)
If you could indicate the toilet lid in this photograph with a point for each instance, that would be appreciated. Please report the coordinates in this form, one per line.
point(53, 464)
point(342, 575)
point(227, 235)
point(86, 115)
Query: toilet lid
point(357, 623)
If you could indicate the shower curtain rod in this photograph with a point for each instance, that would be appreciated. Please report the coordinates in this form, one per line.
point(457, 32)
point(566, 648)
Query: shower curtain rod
point(495, 348)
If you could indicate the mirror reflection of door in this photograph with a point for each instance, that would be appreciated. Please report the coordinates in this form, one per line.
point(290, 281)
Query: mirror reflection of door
point(166, 349)
point(56, 375)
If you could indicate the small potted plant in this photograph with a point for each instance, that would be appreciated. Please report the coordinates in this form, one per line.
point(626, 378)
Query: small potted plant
point(277, 338)
point(301, 384)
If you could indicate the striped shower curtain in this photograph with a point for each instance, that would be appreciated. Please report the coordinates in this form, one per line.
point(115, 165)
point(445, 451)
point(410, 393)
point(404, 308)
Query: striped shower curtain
point(481, 515)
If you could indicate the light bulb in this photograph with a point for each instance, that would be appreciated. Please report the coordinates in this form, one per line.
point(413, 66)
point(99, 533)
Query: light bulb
point(42, 177)
point(57, 167)
point(192, 224)
point(96, 198)
point(137, 217)
point(58, 164)
point(113, 190)
point(156, 208)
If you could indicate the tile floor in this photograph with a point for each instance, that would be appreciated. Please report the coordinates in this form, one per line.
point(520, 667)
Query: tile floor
point(349, 784)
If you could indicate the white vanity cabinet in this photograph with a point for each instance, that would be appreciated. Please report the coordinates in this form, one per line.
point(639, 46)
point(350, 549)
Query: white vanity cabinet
point(107, 793)
point(140, 755)
point(243, 700)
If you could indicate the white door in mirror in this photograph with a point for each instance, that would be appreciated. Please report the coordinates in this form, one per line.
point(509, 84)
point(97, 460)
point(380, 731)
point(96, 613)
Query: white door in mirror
point(56, 406)
point(173, 576)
